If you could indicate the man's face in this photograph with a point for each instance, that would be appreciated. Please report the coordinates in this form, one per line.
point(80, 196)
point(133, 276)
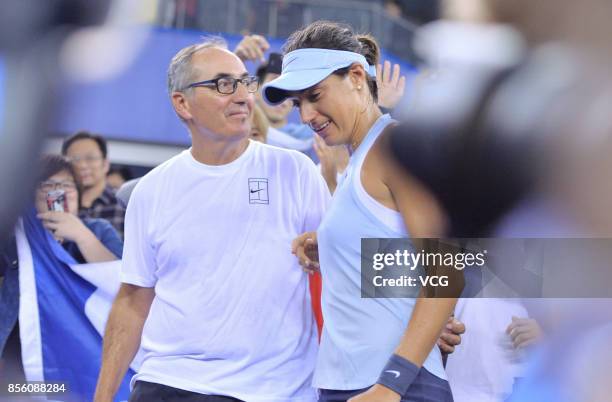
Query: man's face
point(209, 112)
point(276, 114)
point(86, 157)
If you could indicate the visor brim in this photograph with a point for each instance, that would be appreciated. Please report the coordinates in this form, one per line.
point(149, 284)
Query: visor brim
point(277, 90)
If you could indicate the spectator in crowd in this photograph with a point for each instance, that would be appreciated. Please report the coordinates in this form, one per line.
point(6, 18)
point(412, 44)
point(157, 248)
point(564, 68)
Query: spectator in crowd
point(281, 132)
point(259, 125)
point(333, 162)
point(367, 345)
point(86, 239)
point(116, 176)
point(204, 255)
point(88, 154)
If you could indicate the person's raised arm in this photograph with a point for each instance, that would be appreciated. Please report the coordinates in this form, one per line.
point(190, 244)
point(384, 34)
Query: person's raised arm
point(66, 226)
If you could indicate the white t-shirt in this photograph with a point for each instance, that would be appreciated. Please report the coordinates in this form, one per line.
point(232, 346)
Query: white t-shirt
point(231, 314)
point(484, 367)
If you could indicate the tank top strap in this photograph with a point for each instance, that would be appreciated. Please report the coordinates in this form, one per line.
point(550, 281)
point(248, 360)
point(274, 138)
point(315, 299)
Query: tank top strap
point(383, 123)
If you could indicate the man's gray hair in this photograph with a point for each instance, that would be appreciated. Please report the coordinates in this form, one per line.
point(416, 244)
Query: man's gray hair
point(180, 72)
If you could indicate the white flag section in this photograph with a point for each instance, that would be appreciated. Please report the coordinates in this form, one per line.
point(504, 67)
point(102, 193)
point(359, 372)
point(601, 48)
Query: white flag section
point(63, 310)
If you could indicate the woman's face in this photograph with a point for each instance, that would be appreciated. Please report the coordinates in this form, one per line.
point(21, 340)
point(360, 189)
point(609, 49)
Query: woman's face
point(59, 181)
point(332, 107)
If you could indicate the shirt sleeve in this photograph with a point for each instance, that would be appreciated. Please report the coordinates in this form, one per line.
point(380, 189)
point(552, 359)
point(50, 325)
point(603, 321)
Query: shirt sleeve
point(109, 237)
point(139, 266)
point(315, 196)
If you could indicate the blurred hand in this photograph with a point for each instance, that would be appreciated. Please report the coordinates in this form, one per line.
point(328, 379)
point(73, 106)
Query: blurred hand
point(524, 332)
point(451, 335)
point(390, 86)
point(327, 156)
point(377, 393)
point(252, 47)
point(305, 248)
point(63, 225)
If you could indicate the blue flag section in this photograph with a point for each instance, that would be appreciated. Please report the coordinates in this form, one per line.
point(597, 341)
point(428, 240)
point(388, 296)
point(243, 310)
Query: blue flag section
point(62, 313)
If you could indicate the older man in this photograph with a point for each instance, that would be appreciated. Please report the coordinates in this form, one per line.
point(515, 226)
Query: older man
point(210, 290)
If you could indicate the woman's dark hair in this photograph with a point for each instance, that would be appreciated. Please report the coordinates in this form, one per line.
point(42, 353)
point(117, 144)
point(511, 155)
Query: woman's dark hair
point(337, 36)
point(53, 164)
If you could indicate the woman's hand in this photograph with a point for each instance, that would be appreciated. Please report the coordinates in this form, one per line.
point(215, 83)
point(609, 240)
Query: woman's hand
point(64, 225)
point(305, 248)
point(377, 393)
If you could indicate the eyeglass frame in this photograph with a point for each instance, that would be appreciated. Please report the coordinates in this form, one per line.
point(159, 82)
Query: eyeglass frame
point(215, 82)
point(56, 184)
point(88, 159)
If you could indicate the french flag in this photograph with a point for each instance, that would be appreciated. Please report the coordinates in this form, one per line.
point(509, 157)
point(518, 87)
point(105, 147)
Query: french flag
point(62, 313)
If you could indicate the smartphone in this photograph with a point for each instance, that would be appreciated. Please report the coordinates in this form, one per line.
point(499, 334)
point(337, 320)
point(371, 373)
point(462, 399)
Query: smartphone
point(56, 201)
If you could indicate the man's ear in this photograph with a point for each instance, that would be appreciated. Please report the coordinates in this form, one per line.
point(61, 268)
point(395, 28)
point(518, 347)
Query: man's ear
point(180, 102)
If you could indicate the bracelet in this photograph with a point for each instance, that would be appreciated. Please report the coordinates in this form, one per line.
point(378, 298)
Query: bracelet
point(399, 374)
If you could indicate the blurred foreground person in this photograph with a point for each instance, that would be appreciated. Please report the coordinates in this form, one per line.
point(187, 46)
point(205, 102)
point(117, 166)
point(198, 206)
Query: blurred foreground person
point(519, 151)
point(372, 349)
point(210, 289)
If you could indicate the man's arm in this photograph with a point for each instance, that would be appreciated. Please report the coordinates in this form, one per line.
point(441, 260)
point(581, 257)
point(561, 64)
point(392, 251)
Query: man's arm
point(122, 337)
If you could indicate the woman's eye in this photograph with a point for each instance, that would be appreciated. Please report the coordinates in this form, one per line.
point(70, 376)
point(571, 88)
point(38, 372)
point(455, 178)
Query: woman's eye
point(313, 97)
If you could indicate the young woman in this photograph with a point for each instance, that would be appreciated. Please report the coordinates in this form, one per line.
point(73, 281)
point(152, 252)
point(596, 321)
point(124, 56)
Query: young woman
point(87, 240)
point(372, 349)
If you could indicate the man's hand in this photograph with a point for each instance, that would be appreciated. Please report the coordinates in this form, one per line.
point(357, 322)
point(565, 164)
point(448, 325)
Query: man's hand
point(305, 248)
point(524, 332)
point(451, 335)
point(64, 225)
point(252, 47)
point(377, 393)
point(390, 86)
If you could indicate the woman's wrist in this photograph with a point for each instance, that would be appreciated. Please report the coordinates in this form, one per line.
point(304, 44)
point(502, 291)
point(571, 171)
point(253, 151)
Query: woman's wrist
point(85, 237)
point(399, 374)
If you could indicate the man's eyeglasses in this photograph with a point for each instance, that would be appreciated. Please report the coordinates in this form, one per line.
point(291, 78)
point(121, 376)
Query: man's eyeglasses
point(51, 185)
point(88, 159)
point(228, 85)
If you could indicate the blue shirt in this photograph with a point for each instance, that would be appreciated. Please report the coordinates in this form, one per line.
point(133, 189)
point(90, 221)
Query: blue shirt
point(104, 232)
